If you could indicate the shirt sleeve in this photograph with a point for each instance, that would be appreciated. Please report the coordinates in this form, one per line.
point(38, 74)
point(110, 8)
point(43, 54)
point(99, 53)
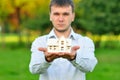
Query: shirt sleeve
point(85, 59)
point(38, 64)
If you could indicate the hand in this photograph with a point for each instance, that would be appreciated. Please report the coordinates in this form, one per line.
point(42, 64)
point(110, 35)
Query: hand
point(70, 56)
point(49, 56)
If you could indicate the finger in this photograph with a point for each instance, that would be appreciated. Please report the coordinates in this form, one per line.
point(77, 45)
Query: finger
point(66, 55)
point(49, 59)
point(61, 54)
point(42, 49)
point(51, 56)
point(74, 48)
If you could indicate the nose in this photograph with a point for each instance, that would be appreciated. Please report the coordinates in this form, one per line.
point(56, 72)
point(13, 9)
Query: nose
point(61, 18)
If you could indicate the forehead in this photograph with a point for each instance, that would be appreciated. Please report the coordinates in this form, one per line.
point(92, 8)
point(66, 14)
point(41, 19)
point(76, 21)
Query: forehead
point(61, 8)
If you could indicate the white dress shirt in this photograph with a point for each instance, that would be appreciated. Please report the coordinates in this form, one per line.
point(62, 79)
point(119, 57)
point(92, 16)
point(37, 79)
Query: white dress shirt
point(61, 68)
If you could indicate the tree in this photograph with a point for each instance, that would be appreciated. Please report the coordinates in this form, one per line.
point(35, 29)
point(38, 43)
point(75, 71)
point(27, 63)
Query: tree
point(32, 13)
point(99, 16)
point(3, 16)
point(40, 19)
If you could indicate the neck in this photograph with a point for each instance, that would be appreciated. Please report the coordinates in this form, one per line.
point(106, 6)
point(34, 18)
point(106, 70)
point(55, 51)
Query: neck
point(65, 33)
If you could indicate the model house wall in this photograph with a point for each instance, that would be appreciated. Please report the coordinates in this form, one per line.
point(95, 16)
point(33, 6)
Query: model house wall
point(59, 45)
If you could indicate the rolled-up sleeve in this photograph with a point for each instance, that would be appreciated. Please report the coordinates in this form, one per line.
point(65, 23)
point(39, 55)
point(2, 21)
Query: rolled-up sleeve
point(85, 59)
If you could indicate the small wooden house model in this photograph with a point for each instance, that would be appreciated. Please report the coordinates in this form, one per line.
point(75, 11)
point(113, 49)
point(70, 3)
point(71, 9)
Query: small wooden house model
point(59, 45)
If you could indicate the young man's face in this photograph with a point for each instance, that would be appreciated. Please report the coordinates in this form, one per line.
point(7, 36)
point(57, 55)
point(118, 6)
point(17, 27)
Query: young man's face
point(61, 17)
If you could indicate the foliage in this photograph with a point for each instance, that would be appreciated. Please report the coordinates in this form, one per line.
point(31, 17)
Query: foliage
point(96, 16)
point(40, 18)
point(38, 22)
point(17, 12)
point(105, 41)
point(99, 16)
point(101, 41)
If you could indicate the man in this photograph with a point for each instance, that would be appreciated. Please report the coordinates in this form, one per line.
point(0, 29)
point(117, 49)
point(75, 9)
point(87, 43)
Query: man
point(62, 65)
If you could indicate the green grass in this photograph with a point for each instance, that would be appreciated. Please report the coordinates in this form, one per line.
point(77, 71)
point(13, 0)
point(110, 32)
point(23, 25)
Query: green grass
point(108, 67)
point(14, 65)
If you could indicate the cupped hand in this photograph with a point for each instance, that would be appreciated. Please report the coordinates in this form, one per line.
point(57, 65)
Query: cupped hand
point(50, 56)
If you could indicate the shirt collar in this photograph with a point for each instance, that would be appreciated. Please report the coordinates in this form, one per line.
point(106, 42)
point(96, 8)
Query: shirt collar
point(53, 35)
point(72, 35)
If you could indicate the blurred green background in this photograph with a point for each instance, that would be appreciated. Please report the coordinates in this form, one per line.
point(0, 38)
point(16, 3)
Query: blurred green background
point(21, 21)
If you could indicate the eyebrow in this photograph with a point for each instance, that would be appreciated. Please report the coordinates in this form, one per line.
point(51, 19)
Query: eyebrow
point(65, 13)
point(56, 13)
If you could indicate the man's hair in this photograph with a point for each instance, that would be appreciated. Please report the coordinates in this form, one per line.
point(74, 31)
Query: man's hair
point(62, 3)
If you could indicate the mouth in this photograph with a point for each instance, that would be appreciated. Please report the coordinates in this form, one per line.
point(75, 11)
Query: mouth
point(61, 25)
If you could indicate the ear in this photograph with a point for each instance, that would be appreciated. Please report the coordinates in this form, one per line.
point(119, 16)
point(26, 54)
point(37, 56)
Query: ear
point(50, 17)
point(73, 16)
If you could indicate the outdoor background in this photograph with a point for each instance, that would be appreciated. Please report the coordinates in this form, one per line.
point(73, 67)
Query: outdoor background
point(21, 21)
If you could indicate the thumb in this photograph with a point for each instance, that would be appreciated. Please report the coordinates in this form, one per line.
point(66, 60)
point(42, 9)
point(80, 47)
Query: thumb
point(42, 49)
point(74, 48)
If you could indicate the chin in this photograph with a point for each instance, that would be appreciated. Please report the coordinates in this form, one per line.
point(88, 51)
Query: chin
point(61, 30)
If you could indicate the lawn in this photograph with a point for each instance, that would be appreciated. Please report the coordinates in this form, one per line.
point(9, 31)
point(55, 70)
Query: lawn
point(14, 65)
point(108, 67)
